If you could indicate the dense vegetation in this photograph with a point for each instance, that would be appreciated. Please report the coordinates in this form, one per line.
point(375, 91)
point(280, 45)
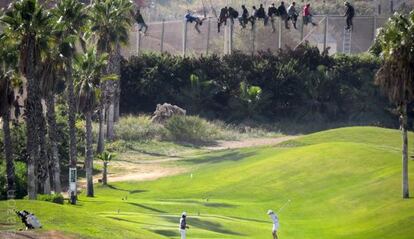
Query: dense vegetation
point(295, 85)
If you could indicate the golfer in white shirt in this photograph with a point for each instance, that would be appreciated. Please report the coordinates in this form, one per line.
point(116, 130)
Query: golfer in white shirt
point(275, 220)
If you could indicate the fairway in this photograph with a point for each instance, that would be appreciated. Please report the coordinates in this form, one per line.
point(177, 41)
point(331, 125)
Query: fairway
point(342, 183)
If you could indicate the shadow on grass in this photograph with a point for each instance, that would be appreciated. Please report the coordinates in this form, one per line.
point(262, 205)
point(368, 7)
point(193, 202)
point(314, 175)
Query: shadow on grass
point(122, 220)
point(230, 156)
point(206, 204)
point(125, 190)
point(146, 207)
point(206, 225)
point(166, 233)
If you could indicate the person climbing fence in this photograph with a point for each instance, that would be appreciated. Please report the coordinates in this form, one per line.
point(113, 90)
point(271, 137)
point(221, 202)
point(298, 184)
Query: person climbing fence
point(307, 15)
point(244, 19)
point(224, 14)
point(261, 14)
point(293, 14)
point(272, 13)
point(283, 14)
point(232, 14)
point(349, 14)
point(140, 21)
point(198, 20)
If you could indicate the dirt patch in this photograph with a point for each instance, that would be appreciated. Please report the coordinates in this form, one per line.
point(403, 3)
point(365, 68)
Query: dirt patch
point(34, 235)
point(250, 143)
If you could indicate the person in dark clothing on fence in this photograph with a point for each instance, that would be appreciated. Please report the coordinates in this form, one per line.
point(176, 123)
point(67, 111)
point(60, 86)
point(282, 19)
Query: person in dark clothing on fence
point(261, 14)
point(224, 14)
point(293, 14)
point(283, 14)
point(350, 13)
point(233, 14)
point(272, 12)
point(244, 19)
point(140, 20)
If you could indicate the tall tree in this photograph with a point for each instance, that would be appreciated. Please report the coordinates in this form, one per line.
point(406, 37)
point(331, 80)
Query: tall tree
point(395, 42)
point(8, 65)
point(27, 23)
point(111, 21)
point(88, 71)
point(70, 21)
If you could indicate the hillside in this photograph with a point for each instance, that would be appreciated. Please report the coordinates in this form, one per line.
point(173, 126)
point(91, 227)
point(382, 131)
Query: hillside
point(342, 183)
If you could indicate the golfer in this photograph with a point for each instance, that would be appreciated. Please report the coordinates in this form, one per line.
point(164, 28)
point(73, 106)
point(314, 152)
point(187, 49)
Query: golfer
point(275, 220)
point(183, 225)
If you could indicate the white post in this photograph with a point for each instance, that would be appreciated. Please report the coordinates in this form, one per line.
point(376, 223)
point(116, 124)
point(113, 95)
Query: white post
point(231, 27)
point(208, 36)
point(162, 35)
point(280, 33)
point(325, 33)
point(184, 37)
point(253, 38)
point(226, 44)
point(138, 41)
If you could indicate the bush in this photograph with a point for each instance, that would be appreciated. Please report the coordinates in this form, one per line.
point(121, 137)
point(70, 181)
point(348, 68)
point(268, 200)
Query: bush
point(20, 180)
point(191, 129)
point(55, 198)
point(137, 128)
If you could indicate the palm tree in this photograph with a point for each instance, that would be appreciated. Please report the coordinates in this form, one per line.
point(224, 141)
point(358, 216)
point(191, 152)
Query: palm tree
point(396, 75)
point(27, 24)
point(106, 157)
point(111, 21)
point(88, 71)
point(70, 18)
point(8, 65)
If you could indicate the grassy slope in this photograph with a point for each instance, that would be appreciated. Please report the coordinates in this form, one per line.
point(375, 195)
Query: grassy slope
point(343, 183)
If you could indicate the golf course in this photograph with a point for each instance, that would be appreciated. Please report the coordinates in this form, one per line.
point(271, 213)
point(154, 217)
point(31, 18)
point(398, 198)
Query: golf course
point(339, 183)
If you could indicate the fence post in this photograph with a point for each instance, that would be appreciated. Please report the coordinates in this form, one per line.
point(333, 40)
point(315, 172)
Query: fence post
point(301, 30)
point(253, 31)
point(375, 27)
point(226, 44)
point(208, 36)
point(184, 37)
point(231, 27)
point(162, 35)
point(138, 34)
point(280, 33)
point(325, 33)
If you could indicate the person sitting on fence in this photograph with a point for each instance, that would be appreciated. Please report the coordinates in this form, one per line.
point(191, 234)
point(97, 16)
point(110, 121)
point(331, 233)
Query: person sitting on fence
point(244, 19)
point(233, 14)
point(253, 17)
point(307, 16)
point(350, 13)
point(140, 21)
point(272, 12)
point(224, 14)
point(283, 14)
point(293, 14)
point(198, 20)
point(261, 14)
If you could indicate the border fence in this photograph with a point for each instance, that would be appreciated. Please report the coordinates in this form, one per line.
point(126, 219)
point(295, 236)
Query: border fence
point(178, 37)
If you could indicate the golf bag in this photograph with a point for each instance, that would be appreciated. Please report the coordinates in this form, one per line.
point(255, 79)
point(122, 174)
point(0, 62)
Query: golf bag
point(29, 219)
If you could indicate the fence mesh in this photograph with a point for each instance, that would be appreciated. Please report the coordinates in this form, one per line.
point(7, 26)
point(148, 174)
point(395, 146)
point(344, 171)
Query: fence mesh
point(169, 36)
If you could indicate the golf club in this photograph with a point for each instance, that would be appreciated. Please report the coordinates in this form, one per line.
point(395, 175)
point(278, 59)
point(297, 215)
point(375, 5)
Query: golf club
point(283, 206)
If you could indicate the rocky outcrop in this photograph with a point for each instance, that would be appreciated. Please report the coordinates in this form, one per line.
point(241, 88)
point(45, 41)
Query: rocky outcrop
point(166, 111)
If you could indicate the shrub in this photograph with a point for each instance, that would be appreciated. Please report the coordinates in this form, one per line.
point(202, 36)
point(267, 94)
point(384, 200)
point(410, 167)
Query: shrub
point(191, 129)
point(55, 198)
point(20, 180)
point(137, 128)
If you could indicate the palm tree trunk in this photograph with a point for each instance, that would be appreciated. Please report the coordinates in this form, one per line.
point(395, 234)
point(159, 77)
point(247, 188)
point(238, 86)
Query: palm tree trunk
point(89, 155)
point(117, 100)
point(110, 125)
point(101, 136)
point(71, 118)
point(54, 153)
point(404, 151)
point(8, 154)
point(105, 174)
point(43, 166)
point(33, 93)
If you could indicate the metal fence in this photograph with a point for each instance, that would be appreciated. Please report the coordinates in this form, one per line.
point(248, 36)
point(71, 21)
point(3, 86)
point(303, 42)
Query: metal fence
point(178, 37)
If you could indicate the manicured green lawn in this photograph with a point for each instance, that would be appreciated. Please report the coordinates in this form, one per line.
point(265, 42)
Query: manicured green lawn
point(342, 183)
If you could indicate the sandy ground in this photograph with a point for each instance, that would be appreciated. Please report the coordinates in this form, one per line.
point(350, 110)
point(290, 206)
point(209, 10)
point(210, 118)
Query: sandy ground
point(144, 170)
point(34, 235)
